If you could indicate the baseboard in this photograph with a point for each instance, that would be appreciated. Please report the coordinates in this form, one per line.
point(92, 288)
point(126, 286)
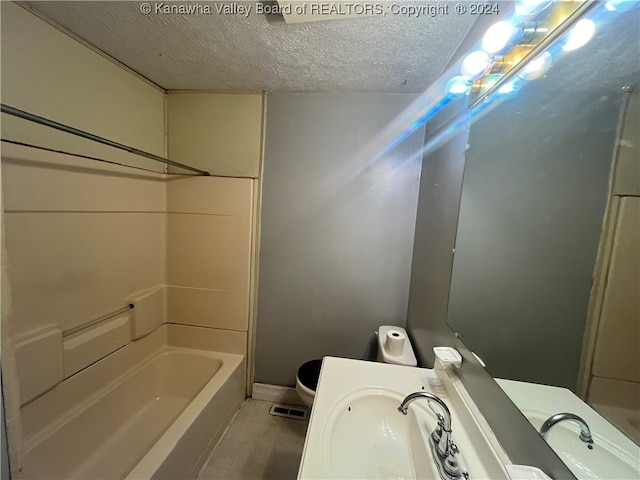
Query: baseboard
point(276, 393)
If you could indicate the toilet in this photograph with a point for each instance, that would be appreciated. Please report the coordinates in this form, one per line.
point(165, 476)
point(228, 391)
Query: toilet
point(393, 347)
point(307, 380)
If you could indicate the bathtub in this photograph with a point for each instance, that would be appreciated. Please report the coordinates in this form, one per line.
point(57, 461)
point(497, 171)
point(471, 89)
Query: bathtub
point(151, 410)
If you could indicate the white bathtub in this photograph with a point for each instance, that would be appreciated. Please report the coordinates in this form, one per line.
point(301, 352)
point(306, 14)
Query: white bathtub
point(153, 409)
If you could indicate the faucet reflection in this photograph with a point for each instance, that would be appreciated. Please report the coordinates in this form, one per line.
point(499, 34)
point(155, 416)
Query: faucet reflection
point(585, 431)
point(448, 459)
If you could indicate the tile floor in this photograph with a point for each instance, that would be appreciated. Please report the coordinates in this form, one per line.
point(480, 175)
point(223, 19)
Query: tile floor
point(257, 446)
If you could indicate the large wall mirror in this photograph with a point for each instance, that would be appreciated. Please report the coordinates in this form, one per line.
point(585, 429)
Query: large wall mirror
point(546, 274)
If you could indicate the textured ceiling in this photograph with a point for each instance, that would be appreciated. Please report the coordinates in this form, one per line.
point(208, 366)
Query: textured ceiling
point(393, 53)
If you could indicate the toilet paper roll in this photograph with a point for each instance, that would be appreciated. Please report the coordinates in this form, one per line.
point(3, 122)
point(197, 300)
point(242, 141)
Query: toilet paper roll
point(394, 343)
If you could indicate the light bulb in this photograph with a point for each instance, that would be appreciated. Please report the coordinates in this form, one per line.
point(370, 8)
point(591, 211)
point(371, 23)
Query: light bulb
point(531, 7)
point(500, 36)
point(537, 67)
point(476, 64)
point(579, 35)
point(458, 87)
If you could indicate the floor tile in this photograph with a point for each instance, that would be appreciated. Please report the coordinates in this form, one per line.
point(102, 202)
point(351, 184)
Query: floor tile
point(281, 465)
point(212, 472)
point(254, 433)
point(257, 446)
point(254, 411)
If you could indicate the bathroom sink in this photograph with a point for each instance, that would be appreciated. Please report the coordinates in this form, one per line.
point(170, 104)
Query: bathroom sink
point(357, 432)
point(366, 437)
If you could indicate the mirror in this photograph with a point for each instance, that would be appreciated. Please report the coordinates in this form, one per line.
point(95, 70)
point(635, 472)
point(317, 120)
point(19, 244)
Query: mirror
point(545, 285)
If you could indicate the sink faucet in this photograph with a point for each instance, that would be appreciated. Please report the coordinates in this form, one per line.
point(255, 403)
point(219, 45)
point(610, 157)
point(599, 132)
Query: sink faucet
point(448, 455)
point(442, 434)
point(585, 431)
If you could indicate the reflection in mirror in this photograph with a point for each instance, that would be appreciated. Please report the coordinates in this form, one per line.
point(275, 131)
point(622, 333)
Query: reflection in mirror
point(546, 276)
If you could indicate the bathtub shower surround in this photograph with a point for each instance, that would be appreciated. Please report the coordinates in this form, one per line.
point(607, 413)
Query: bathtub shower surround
point(84, 241)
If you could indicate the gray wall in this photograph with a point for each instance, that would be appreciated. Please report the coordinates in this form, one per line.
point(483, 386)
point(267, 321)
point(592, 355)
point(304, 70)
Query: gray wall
point(528, 232)
point(435, 233)
point(337, 228)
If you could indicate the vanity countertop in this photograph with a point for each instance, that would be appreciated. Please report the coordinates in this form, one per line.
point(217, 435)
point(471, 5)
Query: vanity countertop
point(356, 430)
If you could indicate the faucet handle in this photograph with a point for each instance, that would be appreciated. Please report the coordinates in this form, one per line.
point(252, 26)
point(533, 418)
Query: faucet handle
point(454, 463)
point(437, 432)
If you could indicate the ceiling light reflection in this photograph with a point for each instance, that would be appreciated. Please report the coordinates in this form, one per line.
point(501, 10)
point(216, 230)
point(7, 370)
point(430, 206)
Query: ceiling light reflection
point(537, 67)
point(579, 35)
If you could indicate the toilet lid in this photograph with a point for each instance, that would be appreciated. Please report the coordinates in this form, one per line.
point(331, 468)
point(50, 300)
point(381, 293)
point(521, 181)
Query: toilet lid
point(309, 373)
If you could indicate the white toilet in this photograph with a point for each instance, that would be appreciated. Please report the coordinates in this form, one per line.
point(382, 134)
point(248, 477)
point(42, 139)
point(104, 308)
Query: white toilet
point(393, 347)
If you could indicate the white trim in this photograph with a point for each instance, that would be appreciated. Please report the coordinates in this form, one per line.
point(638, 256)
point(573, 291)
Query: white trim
point(276, 393)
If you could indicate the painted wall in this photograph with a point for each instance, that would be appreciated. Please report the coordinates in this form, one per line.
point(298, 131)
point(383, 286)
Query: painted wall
point(337, 228)
point(528, 232)
point(47, 73)
point(435, 234)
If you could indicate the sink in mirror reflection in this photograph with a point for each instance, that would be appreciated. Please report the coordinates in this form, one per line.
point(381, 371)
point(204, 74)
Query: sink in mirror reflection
point(611, 455)
point(546, 275)
point(604, 460)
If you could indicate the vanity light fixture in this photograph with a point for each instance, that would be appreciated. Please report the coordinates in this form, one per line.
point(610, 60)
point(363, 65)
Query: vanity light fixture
point(537, 67)
point(485, 83)
point(503, 36)
point(458, 87)
point(476, 64)
point(579, 35)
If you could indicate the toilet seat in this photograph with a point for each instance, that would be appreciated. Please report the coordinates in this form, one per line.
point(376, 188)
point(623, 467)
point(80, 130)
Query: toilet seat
point(307, 380)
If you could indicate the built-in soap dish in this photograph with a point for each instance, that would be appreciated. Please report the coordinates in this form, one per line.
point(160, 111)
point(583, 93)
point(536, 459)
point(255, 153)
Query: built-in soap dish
point(289, 411)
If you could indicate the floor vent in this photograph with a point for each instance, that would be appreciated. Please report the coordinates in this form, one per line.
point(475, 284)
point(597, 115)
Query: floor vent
point(287, 411)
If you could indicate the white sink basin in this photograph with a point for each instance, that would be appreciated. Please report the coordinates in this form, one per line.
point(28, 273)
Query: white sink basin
point(366, 437)
point(356, 431)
